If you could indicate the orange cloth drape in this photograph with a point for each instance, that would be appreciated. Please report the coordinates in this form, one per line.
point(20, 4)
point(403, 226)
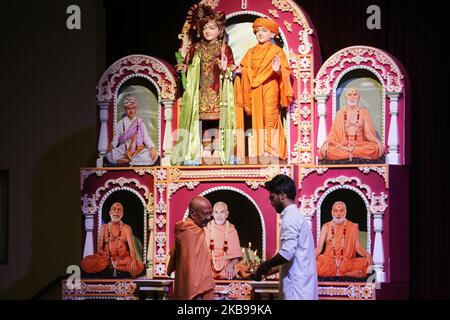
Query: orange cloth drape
point(193, 276)
point(326, 265)
point(259, 92)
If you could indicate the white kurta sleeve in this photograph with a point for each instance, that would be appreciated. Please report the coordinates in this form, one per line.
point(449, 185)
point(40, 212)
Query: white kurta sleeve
point(289, 235)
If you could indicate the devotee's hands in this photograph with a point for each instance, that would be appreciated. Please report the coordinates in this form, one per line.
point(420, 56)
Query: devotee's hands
point(110, 147)
point(229, 272)
point(276, 64)
point(262, 270)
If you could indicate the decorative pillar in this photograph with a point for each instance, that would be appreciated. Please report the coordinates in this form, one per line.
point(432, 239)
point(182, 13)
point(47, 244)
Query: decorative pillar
point(322, 112)
point(88, 208)
point(393, 156)
point(378, 251)
point(151, 242)
point(378, 207)
point(167, 144)
point(103, 137)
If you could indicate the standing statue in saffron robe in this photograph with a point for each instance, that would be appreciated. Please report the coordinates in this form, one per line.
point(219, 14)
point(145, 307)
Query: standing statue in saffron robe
point(222, 240)
point(208, 94)
point(263, 86)
point(340, 258)
point(352, 134)
point(116, 249)
point(131, 144)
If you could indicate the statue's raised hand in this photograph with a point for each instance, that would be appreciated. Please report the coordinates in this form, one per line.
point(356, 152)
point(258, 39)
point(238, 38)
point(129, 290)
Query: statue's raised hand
point(276, 64)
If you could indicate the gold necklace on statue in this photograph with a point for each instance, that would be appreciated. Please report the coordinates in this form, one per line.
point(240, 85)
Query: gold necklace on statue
point(225, 247)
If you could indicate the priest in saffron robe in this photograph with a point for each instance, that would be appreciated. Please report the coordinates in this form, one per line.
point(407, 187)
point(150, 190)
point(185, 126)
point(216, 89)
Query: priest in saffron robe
point(262, 88)
point(116, 250)
point(131, 144)
point(343, 255)
point(190, 257)
point(352, 133)
point(222, 240)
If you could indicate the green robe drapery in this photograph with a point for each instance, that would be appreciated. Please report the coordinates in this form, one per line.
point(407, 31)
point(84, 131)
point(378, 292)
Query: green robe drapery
point(187, 148)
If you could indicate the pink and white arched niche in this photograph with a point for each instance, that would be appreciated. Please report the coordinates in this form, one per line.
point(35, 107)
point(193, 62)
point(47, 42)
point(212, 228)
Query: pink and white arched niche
point(155, 74)
point(300, 45)
point(393, 119)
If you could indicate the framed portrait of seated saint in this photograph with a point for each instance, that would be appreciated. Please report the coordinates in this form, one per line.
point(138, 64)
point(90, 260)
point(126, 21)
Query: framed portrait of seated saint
point(344, 239)
point(357, 134)
point(121, 238)
point(136, 138)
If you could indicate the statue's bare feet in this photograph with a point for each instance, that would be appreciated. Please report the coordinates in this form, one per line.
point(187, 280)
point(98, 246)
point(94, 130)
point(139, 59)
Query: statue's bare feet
point(124, 161)
point(355, 274)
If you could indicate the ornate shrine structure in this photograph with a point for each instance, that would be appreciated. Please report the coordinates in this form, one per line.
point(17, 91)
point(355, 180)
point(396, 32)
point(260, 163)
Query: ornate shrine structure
point(155, 197)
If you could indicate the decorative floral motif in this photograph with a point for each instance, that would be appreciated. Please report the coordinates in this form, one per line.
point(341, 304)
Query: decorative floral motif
point(160, 269)
point(305, 157)
point(161, 221)
point(378, 203)
point(305, 45)
point(254, 184)
point(274, 13)
point(382, 171)
point(307, 205)
point(173, 187)
point(89, 205)
point(288, 26)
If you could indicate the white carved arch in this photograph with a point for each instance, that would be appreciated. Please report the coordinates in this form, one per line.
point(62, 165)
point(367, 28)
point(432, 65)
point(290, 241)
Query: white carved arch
point(385, 66)
point(100, 209)
point(143, 65)
point(122, 182)
point(261, 217)
point(363, 197)
point(341, 180)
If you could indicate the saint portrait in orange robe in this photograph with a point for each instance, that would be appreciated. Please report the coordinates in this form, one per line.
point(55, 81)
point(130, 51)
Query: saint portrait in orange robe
point(343, 255)
point(352, 133)
point(222, 240)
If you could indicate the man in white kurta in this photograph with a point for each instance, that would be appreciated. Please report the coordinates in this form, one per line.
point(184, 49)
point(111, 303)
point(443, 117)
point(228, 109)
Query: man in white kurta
point(131, 144)
point(298, 276)
point(296, 257)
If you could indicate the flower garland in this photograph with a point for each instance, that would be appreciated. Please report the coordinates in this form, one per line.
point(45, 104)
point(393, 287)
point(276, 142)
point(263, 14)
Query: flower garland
point(111, 238)
point(338, 264)
point(225, 247)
